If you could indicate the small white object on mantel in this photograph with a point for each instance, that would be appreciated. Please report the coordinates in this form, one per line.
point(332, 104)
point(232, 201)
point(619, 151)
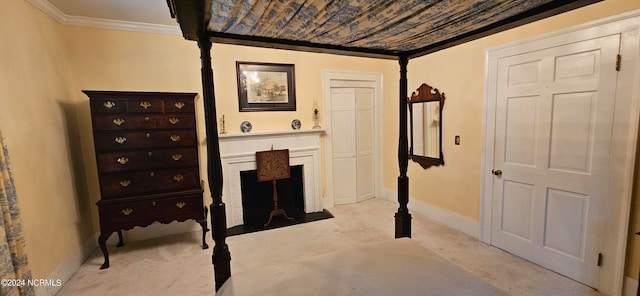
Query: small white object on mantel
point(238, 153)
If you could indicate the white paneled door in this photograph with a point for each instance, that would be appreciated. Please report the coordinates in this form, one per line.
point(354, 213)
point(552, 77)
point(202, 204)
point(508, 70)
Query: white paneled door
point(554, 114)
point(352, 132)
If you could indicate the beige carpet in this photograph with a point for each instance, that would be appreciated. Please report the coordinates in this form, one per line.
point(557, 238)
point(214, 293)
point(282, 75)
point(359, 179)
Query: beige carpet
point(395, 267)
point(178, 266)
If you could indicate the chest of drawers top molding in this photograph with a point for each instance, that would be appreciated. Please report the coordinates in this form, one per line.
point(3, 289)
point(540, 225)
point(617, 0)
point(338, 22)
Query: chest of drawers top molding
point(140, 102)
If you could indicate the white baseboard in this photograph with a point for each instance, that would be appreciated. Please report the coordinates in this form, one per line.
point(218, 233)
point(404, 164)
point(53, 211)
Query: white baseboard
point(629, 287)
point(442, 216)
point(68, 267)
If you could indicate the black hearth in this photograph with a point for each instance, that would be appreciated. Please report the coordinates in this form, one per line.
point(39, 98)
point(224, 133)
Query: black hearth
point(257, 202)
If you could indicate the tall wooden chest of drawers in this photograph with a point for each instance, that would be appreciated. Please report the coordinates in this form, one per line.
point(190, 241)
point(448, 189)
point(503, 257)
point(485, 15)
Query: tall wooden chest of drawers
point(147, 156)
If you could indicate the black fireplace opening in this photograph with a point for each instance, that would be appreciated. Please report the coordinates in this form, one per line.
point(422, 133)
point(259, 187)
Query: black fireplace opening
point(257, 197)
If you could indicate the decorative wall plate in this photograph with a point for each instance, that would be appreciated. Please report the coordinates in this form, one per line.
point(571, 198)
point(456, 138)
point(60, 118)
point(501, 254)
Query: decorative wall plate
point(245, 126)
point(295, 124)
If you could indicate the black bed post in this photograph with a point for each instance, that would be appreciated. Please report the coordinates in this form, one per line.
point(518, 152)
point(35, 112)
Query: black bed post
point(403, 218)
point(221, 257)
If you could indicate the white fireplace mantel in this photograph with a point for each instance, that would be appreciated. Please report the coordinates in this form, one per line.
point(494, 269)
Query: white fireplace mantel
point(238, 153)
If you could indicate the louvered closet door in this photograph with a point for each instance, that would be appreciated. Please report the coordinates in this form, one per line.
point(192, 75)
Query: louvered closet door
point(553, 139)
point(352, 135)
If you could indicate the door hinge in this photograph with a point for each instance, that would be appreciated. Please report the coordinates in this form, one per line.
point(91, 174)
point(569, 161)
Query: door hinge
point(618, 61)
point(599, 259)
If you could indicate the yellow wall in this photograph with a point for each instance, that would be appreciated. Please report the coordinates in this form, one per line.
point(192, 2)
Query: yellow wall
point(459, 72)
point(47, 65)
point(127, 61)
point(37, 120)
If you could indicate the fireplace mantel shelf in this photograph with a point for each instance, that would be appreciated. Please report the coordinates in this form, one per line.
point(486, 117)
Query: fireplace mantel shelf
point(269, 133)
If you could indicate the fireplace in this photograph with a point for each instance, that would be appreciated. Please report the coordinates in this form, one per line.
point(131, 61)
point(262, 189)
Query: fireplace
point(238, 153)
point(257, 197)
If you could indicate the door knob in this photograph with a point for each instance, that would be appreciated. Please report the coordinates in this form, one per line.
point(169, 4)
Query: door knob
point(497, 172)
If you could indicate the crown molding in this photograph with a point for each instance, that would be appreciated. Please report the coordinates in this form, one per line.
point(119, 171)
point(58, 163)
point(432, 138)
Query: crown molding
point(81, 21)
point(49, 9)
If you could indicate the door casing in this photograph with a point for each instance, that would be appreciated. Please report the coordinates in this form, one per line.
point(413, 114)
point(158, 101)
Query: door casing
point(332, 78)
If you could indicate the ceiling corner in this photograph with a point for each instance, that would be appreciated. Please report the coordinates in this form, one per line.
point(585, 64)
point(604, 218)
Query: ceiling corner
point(82, 21)
point(50, 10)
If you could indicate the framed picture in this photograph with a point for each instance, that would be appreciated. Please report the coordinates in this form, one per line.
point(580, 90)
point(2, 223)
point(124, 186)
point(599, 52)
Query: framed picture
point(266, 87)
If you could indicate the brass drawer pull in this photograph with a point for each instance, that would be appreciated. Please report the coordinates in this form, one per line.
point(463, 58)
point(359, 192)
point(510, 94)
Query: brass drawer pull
point(118, 121)
point(125, 183)
point(120, 140)
point(176, 156)
point(147, 118)
point(145, 104)
point(178, 178)
point(174, 120)
point(152, 174)
point(127, 211)
point(154, 203)
point(123, 160)
point(181, 204)
point(147, 135)
point(150, 154)
point(175, 138)
point(179, 105)
point(109, 104)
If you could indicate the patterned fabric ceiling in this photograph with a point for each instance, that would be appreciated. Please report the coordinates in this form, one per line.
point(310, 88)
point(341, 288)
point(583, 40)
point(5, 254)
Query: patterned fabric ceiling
point(387, 25)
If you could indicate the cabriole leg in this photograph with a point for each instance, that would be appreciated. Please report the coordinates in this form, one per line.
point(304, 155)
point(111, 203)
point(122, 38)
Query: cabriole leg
point(120, 240)
point(203, 223)
point(102, 242)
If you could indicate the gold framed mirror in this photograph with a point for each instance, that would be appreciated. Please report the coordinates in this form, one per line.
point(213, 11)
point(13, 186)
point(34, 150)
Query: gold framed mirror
point(425, 117)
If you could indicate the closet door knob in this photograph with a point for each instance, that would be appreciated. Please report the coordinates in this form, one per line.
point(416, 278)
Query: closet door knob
point(497, 172)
